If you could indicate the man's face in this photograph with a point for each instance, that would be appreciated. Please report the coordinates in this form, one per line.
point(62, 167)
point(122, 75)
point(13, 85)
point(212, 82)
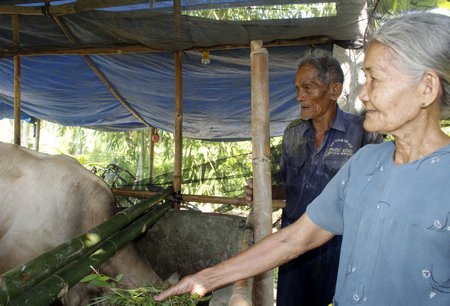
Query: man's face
point(312, 94)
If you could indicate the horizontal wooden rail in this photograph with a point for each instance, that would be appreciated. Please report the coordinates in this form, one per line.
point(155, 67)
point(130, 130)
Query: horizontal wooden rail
point(99, 49)
point(195, 198)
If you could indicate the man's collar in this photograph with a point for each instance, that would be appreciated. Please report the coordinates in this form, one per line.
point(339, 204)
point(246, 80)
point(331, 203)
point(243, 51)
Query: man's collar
point(339, 121)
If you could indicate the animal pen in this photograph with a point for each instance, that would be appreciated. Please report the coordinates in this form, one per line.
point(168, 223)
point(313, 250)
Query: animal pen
point(119, 65)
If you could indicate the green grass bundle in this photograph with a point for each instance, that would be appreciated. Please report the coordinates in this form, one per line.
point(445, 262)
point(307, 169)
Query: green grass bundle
point(142, 296)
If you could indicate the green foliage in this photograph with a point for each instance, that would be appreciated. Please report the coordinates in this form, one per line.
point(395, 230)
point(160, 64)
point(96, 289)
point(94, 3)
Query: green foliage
point(209, 168)
point(264, 12)
point(142, 296)
point(382, 10)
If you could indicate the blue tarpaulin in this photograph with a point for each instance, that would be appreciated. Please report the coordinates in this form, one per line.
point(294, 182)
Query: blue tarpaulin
point(216, 97)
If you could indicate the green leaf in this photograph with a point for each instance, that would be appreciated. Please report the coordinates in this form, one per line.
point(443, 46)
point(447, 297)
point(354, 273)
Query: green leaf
point(119, 278)
point(88, 278)
point(100, 283)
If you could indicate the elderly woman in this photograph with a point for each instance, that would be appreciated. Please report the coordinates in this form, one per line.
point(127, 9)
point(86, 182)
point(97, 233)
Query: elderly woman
point(391, 201)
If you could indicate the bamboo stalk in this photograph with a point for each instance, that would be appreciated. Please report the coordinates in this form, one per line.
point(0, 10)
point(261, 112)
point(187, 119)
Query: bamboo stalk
point(262, 191)
point(177, 171)
point(96, 49)
point(37, 135)
point(25, 276)
point(178, 133)
point(101, 76)
point(195, 198)
point(57, 284)
point(67, 8)
point(17, 80)
point(151, 154)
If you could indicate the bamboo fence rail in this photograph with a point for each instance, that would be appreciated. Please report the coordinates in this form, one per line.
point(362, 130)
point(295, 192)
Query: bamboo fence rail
point(27, 275)
point(196, 198)
point(57, 284)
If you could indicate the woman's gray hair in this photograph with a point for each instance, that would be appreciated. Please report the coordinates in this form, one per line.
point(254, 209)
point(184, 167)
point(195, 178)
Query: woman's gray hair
point(422, 41)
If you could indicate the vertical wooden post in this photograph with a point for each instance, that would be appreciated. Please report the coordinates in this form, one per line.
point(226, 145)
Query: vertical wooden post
point(177, 175)
point(262, 186)
point(178, 123)
point(37, 134)
point(151, 156)
point(17, 80)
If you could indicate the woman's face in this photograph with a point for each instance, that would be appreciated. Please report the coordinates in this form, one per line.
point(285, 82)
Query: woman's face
point(389, 94)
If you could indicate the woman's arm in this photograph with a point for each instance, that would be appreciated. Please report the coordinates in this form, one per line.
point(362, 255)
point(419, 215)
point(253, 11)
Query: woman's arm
point(272, 251)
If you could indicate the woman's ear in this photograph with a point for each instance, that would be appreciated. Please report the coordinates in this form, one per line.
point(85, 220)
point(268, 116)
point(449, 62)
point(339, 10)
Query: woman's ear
point(429, 88)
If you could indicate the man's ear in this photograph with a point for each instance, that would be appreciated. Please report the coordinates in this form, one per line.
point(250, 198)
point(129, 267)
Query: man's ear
point(335, 90)
point(429, 88)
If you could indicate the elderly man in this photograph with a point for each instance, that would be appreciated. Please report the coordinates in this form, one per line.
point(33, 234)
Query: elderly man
point(314, 149)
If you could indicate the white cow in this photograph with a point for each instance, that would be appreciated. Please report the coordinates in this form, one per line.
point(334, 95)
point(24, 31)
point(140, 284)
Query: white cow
point(46, 200)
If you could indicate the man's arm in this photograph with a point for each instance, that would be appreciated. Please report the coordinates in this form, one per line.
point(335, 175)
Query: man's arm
point(272, 251)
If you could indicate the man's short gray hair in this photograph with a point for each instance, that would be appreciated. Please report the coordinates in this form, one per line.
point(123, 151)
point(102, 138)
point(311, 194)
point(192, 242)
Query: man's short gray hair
point(422, 41)
point(328, 68)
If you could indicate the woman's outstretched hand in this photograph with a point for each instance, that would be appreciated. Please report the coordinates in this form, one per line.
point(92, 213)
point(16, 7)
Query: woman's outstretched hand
point(189, 284)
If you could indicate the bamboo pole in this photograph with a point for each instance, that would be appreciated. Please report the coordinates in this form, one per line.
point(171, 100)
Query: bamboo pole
point(17, 80)
point(25, 276)
point(195, 198)
point(67, 8)
point(37, 134)
point(57, 284)
point(178, 134)
point(100, 75)
point(177, 171)
point(151, 156)
point(100, 49)
point(262, 195)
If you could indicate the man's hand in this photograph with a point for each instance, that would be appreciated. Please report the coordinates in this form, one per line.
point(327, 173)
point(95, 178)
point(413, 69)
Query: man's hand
point(248, 189)
point(189, 284)
point(278, 191)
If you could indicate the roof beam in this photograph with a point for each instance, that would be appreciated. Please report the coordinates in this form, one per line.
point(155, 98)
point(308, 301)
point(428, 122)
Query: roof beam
point(100, 75)
point(89, 5)
point(90, 49)
point(67, 8)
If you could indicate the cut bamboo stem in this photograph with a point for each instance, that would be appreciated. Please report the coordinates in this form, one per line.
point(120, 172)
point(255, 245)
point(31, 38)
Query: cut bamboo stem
point(17, 80)
point(262, 191)
point(100, 49)
point(177, 171)
point(196, 198)
point(57, 284)
point(37, 135)
point(25, 276)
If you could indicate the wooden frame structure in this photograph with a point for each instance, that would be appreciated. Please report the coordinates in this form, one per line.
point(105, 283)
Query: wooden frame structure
point(263, 205)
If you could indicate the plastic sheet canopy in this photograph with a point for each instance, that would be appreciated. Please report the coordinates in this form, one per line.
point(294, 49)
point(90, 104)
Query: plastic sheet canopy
point(216, 97)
